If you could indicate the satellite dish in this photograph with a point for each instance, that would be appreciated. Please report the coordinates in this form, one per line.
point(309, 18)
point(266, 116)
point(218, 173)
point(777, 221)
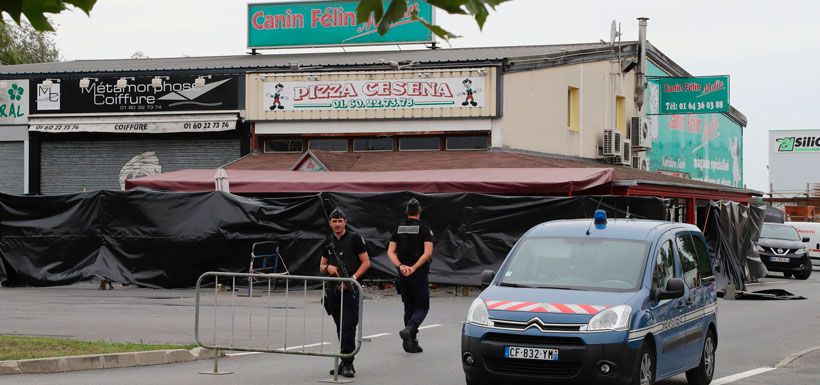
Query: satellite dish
point(613, 33)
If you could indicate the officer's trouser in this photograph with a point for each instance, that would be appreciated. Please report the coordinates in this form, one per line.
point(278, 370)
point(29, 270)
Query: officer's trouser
point(347, 332)
point(415, 293)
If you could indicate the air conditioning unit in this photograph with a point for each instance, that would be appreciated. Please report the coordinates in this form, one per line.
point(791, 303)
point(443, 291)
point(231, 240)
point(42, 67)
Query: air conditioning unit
point(639, 163)
point(639, 133)
point(627, 152)
point(612, 144)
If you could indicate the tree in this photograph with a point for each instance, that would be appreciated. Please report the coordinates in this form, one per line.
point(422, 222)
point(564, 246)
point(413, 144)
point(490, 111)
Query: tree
point(397, 8)
point(22, 44)
point(35, 10)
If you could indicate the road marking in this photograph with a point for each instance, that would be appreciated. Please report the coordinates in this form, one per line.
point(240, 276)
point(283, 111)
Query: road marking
point(429, 326)
point(740, 376)
point(377, 335)
point(241, 354)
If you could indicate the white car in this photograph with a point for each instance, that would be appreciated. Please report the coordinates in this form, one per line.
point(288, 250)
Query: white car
point(810, 230)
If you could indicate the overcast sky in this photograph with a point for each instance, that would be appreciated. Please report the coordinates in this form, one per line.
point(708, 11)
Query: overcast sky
point(770, 49)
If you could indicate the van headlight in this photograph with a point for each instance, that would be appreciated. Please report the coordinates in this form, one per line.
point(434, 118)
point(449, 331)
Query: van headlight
point(614, 318)
point(478, 313)
point(800, 251)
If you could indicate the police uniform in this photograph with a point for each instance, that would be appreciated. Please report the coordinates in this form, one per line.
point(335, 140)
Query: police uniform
point(410, 236)
point(348, 248)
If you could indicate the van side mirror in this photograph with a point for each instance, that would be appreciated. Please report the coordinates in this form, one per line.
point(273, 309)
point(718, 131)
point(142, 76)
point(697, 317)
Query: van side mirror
point(487, 277)
point(674, 289)
point(806, 240)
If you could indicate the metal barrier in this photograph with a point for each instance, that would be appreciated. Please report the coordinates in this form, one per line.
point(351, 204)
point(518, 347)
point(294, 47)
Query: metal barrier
point(270, 299)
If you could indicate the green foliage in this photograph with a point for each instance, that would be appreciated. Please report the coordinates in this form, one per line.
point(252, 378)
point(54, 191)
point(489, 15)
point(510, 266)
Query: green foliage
point(478, 9)
point(35, 10)
point(22, 44)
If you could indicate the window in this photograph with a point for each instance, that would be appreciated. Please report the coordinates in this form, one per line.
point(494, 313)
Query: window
point(573, 108)
point(283, 145)
point(664, 266)
point(467, 143)
point(335, 145)
point(688, 260)
point(704, 262)
point(613, 265)
point(373, 144)
point(419, 144)
point(620, 114)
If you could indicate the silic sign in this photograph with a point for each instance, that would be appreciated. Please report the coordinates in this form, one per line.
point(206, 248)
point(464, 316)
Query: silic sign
point(14, 102)
point(375, 94)
point(798, 144)
point(177, 93)
point(699, 95)
point(331, 23)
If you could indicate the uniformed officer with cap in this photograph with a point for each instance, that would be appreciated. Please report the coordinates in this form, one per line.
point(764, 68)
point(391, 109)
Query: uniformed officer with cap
point(410, 250)
point(344, 253)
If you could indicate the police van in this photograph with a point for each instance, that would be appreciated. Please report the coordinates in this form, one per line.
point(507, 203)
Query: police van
point(594, 301)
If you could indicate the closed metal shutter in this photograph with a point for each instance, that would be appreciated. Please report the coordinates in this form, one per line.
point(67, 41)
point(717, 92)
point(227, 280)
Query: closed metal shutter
point(71, 166)
point(11, 167)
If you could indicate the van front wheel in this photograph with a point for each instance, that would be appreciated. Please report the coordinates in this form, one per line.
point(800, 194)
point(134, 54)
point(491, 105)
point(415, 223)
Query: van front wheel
point(645, 370)
point(702, 375)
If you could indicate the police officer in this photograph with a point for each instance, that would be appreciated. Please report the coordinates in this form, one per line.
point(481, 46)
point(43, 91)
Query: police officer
point(344, 256)
point(410, 250)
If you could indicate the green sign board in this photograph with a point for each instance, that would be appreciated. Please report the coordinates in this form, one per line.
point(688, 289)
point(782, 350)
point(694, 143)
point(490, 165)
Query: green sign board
point(798, 144)
point(330, 23)
point(701, 95)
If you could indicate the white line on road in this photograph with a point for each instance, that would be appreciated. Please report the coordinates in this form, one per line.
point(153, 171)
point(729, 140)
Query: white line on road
point(740, 376)
point(429, 326)
point(377, 335)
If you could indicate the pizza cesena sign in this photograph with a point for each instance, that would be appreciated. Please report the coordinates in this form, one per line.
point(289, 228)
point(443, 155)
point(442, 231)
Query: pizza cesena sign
point(177, 93)
point(466, 92)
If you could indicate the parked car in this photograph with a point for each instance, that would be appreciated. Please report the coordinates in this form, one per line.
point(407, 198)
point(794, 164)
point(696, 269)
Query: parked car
point(622, 302)
point(782, 249)
point(810, 230)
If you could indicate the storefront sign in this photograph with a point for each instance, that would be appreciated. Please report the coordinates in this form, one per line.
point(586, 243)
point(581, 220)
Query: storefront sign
point(177, 93)
point(396, 94)
point(328, 23)
point(145, 124)
point(703, 146)
point(14, 102)
point(798, 143)
point(699, 95)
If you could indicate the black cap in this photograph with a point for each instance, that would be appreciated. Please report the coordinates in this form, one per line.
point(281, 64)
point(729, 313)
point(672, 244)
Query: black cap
point(413, 205)
point(337, 213)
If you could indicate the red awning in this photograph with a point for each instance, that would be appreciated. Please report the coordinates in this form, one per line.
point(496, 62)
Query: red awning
point(512, 181)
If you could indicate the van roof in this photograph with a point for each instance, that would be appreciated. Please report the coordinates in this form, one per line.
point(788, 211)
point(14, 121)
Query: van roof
point(631, 229)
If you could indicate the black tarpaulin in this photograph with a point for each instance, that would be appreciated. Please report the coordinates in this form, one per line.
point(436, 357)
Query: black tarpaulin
point(167, 239)
point(730, 230)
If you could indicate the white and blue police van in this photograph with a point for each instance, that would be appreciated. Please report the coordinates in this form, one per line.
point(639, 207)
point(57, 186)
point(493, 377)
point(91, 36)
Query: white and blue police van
point(622, 301)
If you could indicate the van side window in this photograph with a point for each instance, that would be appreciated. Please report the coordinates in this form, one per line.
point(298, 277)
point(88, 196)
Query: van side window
point(688, 260)
point(704, 262)
point(664, 266)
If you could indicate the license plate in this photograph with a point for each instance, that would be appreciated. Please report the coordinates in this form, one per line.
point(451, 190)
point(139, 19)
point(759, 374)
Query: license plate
point(531, 353)
point(779, 259)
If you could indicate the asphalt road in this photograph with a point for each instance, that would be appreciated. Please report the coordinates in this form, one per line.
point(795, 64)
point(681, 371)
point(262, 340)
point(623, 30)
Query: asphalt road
point(752, 335)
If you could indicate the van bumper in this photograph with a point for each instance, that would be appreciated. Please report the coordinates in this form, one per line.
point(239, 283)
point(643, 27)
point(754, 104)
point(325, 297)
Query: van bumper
point(580, 358)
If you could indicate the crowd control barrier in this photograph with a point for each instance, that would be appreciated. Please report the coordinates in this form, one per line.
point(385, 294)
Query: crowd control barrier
point(265, 319)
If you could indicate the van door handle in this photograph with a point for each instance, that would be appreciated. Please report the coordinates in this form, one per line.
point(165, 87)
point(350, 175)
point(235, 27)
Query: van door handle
point(680, 304)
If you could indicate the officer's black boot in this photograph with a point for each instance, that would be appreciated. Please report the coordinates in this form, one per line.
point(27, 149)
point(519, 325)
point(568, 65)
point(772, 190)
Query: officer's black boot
point(416, 348)
point(407, 334)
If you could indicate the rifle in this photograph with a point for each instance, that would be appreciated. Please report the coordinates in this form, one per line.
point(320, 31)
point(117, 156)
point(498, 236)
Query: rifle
point(341, 263)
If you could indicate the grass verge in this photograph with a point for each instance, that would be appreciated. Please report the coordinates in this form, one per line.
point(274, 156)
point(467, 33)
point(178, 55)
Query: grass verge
point(24, 347)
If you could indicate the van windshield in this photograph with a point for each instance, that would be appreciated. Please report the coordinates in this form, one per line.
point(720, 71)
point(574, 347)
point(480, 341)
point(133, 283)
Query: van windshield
point(577, 264)
point(779, 232)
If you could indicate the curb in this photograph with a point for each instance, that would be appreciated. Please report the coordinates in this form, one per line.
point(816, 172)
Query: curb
point(793, 357)
point(104, 361)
